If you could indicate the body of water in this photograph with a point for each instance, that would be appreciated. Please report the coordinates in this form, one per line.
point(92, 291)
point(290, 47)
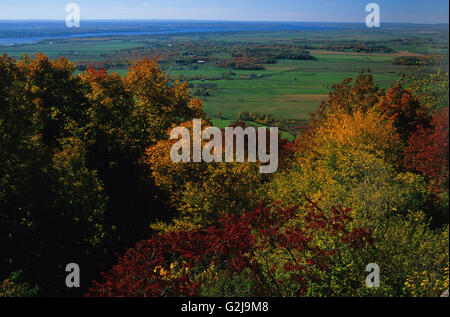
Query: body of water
point(28, 32)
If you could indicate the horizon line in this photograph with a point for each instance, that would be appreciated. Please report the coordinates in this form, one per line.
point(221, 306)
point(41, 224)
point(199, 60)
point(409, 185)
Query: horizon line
point(208, 20)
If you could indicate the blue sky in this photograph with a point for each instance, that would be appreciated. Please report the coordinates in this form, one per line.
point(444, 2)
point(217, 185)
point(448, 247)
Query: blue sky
point(416, 11)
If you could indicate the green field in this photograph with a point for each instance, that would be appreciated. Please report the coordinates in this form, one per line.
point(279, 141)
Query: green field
point(288, 89)
point(223, 123)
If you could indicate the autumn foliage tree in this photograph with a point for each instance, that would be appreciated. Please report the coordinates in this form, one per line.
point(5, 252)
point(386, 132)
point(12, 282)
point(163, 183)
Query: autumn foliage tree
point(85, 171)
point(280, 250)
point(405, 110)
point(51, 204)
point(361, 93)
point(428, 149)
point(72, 185)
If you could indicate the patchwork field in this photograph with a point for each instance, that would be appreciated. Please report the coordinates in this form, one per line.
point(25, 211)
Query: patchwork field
point(290, 89)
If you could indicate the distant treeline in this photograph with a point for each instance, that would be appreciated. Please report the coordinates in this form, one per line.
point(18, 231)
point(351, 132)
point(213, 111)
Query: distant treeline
point(253, 57)
point(242, 63)
point(418, 60)
point(269, 120)
point(272, 53)
point(104, 64)
point(241, 56)
point(359, 48)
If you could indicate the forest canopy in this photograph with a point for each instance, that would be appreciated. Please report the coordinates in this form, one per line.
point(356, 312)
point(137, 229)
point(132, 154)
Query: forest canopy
point(85, 174)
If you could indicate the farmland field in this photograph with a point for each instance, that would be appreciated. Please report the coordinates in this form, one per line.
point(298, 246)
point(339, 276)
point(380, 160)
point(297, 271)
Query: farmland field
point(293, 89)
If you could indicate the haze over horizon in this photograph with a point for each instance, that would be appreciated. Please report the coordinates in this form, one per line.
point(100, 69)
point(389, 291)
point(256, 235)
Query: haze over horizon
point(401, 11)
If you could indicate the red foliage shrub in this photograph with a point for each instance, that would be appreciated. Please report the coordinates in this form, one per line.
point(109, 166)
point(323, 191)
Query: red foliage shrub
point(238, 244)
point(428, 149)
